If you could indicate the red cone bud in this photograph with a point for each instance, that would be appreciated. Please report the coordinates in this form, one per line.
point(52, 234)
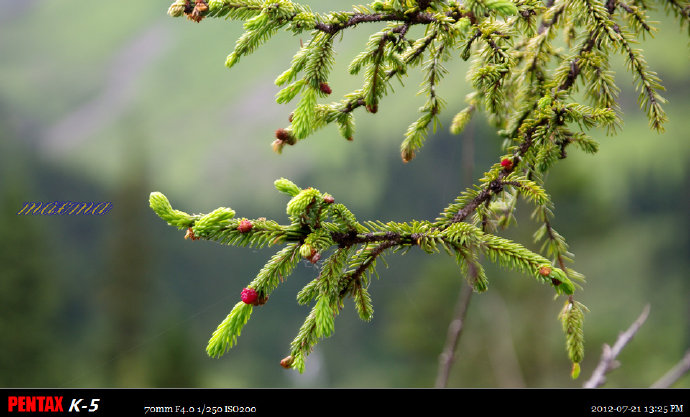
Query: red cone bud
point(249, 295)
point(325, 88)
point(245, 226)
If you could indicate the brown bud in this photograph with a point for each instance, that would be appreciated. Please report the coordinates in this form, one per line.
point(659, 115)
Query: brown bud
point(286, 136)
point(282, 134)
point(328, 199)
point(199, 11)
point(287, 362)
point(260, 300)
point(407, 155)
point(190, 234)
point(372, 108)
point(195, 16)
point(545, 271)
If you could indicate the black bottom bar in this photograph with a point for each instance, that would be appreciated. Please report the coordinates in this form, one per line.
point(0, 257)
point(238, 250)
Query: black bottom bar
point(356, 402)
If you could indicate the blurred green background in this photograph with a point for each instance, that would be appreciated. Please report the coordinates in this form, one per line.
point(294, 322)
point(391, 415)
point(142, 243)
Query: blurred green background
point(110, 101)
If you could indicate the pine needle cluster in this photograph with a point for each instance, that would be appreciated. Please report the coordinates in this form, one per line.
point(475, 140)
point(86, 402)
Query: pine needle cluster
point(540, 72)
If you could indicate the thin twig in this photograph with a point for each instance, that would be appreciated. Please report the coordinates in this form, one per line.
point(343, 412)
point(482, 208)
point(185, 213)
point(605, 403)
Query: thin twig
point(608, 361)
point(447, 357)
point(675, 373)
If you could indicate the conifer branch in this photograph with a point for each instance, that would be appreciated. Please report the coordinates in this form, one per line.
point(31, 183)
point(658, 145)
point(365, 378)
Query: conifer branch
point(357, 99)
point(648, 84)
point(553, 13)
point(370, 255)
point(681, 9)
point(636, 17)
point(526, 87)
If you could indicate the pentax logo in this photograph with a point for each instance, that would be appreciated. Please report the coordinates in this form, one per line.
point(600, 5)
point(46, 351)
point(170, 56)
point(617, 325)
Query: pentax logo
point(48, 404)
point(34, 404)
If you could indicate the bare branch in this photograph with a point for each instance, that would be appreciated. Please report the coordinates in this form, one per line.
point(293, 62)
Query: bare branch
point(608, 361)
point(454, 331)
point(675, 373)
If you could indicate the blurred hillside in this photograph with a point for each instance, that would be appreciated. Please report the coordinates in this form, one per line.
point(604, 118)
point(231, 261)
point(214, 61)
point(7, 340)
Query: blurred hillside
point(113, 101)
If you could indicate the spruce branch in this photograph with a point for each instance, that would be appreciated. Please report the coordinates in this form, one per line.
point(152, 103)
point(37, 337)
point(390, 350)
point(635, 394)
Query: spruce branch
point(572, 318)
point(418, 130)
point(319, 224)
point(525, 85)
point(681, 9)
point(229, 330)
point(648, 84)
point(637, 19)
